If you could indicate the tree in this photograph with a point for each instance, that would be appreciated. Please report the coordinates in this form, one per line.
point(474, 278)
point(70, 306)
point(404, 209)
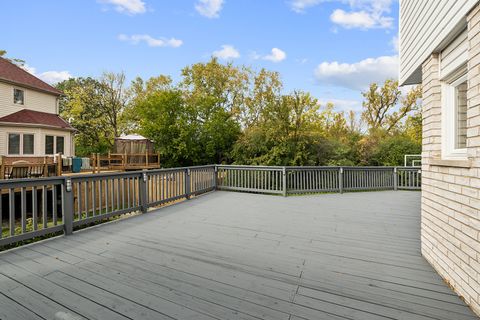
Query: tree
point(385, 107)
point(164, 119)
point(214, 96)
point(114, 100)
point(264, 91)
point(283, 134)
point(82, 106)
point(138, 92)
point(95, 108)
point(19, 62)
point(390, 151)
point(212, 85)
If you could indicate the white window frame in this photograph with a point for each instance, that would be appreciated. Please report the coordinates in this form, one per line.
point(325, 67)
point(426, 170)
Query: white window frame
point(19, 144)
point(23, 144)
point(449, 117)
point(55, 136)
point(24, 96)
point(20, 153)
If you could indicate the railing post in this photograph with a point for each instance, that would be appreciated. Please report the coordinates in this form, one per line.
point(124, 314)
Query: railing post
point(187, 184)
point(2, 167)
point(215, 177)
point(58, 168)
point(67, 206)
point(98, 162)
point(143, 192)
point(395, 179)
point(284, 184)
point(340, 179)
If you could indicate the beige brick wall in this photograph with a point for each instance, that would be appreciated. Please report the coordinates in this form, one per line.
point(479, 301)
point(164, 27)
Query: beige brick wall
point(451, 195)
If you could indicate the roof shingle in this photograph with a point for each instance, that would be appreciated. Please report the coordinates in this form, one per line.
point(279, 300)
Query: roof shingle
point(10, 72)
point(35, 117)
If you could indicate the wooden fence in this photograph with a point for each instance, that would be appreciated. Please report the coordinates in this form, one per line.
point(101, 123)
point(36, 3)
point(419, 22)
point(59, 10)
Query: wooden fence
point(32, 208)
point(125, 161)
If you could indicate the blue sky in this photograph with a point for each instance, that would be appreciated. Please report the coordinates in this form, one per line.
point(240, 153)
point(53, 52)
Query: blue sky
point(332, 48)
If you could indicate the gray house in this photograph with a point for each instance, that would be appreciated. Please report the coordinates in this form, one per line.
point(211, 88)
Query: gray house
point(440, 49)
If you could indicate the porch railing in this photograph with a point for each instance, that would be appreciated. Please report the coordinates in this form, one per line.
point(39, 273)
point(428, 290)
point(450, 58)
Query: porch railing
point(31, 208)
point(291, 180)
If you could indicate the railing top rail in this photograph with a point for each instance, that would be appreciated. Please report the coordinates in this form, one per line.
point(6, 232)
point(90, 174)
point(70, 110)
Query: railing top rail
point(317, 167)
point(56, 180)
point(240, 166)
point(12, 183)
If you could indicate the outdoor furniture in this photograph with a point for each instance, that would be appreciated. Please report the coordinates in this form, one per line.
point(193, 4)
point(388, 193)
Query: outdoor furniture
point(37, 171)
point(17, 172)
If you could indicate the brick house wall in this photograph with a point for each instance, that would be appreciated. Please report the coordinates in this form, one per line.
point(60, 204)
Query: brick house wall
point(450, 228)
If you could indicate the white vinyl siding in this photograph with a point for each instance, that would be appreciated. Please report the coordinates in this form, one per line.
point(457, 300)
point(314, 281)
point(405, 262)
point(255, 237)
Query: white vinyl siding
point(33, 100)
point(424, 27)
point(454, 52)
point(39, 139)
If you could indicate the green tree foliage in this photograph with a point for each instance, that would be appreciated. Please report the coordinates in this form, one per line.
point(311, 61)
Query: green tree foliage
point(96, 109)
point(385, 107)
point(19, 62)
point(194, 122)
point(390, 151)
point(222, 113)
point(81, 107)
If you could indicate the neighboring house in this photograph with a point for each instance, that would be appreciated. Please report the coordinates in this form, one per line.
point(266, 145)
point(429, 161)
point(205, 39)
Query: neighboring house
point(29, 121)
point(440, 49)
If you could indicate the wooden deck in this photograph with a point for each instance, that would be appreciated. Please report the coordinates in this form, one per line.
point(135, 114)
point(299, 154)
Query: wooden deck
point(237, 256)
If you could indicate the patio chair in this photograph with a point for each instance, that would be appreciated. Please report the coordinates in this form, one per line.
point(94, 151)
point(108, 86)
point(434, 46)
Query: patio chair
point(37, 171)
point(19, 172)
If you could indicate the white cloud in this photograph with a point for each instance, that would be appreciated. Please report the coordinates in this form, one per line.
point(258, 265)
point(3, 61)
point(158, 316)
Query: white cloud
point(342, 104)
point(363, 14)
point(395, 44)
point(358, 75)
point(29, 69)
point(209, 8)
point(360, 19)
point(275, 55)
point(51, 77)
point(150, 41)
point(54, 76)
point(300, 5)
point(127, 6)
point(227, 52)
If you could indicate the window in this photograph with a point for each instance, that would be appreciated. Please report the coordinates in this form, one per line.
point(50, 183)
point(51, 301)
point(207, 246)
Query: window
point(28, 143)
point(54, 144)
point(18, 96)
point(14, 143)
point(49, 147)
point(454, 117)
point(461, 115)
point(60, 144)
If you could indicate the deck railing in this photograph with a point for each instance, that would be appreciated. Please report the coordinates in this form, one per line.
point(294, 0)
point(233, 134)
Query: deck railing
point(31, 208)
point(291, 180)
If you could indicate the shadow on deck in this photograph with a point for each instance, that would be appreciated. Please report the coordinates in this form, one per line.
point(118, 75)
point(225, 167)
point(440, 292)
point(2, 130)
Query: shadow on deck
point(237, 256)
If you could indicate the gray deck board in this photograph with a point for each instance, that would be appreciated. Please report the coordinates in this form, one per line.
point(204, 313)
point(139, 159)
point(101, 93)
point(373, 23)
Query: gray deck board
point(237, 256)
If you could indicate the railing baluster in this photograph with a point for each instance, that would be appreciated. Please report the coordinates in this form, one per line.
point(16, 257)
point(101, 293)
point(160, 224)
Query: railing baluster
point(23, 208)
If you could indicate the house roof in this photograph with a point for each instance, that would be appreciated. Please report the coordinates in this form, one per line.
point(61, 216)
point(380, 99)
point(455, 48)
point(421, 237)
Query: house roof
point(10, 72)
point(26, 116)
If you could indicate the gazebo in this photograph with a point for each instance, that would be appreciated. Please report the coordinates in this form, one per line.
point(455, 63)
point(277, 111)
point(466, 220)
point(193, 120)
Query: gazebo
point(133, 144)
point(130, 152)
